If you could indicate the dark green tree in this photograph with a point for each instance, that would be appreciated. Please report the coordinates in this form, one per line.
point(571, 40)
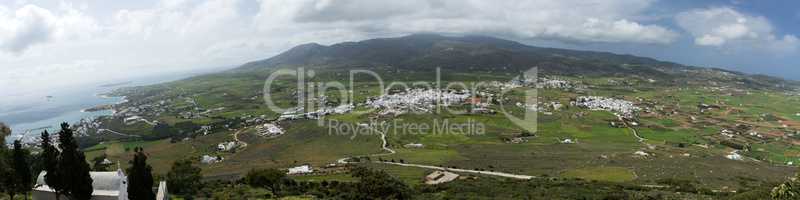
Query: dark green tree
point(73, 169)
point(374, 184)
point(22, 172)
point(163, 130)
point(183, 178)
point(6, 171)
point(266, 178)
point(49, 161)
point(140, 177)
point(185, 127)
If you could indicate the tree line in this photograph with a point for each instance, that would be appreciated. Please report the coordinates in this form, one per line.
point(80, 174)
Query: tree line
point(185, 180)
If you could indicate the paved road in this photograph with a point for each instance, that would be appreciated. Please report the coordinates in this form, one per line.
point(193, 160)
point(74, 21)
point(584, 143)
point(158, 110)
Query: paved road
point(236, 137)
point(118, 133)
point(501, 174)
point(385, 145)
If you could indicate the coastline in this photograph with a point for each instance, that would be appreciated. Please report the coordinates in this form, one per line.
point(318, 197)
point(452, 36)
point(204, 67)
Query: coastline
point(103, 105)
point(75, 106)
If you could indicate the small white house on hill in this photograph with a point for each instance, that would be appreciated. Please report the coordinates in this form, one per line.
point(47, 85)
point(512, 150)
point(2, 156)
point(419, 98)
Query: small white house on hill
point(303, 169)
point(106, 185)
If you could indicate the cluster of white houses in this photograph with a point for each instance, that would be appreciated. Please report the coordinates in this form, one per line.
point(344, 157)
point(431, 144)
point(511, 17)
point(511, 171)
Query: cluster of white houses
point(418, 100)
point(554, 83)
point(132, 114)
point(618, 106)
point(85, 125)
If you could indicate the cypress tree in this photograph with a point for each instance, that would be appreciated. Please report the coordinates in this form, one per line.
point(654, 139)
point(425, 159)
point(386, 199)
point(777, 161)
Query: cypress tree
point(140, 178)
point(73, 168)
point(22, 170)
point(49, 160)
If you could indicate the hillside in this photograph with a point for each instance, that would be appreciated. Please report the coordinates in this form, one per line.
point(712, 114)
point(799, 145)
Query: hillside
point(423, 52)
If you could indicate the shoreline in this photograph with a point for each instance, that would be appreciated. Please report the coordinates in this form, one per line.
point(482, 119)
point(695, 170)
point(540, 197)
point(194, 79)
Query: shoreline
point(83, 114)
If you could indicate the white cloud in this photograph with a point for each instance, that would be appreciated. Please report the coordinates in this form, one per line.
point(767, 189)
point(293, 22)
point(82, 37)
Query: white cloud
point(724, 26)
point(38, 45)
point(25, 27)
point(30, 25)
point(181, 34)
point(40, 42)
point(579, 21)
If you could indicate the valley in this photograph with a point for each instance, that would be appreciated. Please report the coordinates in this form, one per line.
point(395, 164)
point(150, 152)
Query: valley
point(598, 117)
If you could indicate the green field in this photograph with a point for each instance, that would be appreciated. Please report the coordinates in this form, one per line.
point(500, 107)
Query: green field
point(612, 174)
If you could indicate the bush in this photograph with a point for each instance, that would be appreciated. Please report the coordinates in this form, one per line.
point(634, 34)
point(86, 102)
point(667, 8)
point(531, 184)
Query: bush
point(271, 179)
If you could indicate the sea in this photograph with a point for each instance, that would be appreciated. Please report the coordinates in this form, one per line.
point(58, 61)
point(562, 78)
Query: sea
point(47, 110)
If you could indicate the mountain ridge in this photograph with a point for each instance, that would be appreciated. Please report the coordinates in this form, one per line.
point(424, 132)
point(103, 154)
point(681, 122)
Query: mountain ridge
point(428, 51)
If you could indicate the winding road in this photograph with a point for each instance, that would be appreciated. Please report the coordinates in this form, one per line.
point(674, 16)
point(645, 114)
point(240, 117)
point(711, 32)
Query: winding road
point(635, 133)
point(385, 145)
point(236, 138)
point(118, 133)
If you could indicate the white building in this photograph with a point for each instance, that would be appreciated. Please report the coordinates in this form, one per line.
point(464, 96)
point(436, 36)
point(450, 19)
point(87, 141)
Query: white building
point(210, 159)
point(227, 146)
point(414, 145)
point(438, 177)
point(269, 129)
point(554, 83)
point(106, 185)
point(131, 120)
point(205, 129)
point(734, 156)
point(302, 169)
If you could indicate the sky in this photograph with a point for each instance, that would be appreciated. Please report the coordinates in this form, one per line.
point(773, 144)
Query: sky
point(48, 44)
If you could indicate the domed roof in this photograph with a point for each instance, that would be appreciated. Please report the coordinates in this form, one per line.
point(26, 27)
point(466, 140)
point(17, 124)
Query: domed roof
point(110, 181)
